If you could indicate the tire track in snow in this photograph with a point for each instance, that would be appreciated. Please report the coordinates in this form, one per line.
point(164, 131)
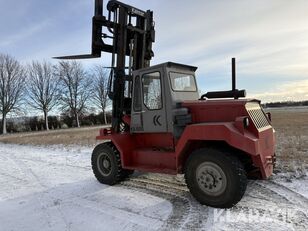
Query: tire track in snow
point(11, 176)
point(258, 197)
point(187, 214)
point(298, 202)
point(284, 191)
point(268, 197)
point(113, 211)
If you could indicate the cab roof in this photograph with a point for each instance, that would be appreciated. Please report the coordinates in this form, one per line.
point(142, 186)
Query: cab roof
point(172, 65)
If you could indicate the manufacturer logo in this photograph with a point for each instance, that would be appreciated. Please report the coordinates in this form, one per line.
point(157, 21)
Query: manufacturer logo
point(156, 121)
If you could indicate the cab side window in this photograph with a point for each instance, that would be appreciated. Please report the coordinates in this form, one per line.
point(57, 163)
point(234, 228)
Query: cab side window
point(152, 92)
point(137, 95)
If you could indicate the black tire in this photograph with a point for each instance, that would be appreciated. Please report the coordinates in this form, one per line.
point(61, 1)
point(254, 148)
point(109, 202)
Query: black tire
point(215, 178)
point(106, 164)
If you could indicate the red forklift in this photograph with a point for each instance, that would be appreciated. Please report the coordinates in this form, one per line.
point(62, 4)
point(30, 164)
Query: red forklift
point(160, 123)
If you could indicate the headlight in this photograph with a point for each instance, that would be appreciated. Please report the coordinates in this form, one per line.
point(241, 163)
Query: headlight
point(246, 122)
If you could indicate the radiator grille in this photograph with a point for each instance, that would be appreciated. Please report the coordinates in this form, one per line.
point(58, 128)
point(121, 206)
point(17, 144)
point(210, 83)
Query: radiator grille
point(257, 115)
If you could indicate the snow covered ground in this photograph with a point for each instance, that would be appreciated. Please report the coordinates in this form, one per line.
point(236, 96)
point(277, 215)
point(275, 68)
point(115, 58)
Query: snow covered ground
point(53, 188)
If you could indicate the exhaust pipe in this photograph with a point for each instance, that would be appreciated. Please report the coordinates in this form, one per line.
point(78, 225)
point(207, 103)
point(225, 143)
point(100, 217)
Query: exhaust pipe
point(234, 93)
point(225, 94)
point(233, 74)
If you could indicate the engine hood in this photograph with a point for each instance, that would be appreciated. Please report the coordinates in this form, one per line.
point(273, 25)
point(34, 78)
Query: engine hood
point(225, 110)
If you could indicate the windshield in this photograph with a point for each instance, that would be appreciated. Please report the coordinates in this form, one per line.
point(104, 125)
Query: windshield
point(182, 82)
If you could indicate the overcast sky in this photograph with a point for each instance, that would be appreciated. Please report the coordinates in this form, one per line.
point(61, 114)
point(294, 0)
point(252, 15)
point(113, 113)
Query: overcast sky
point(268, 38)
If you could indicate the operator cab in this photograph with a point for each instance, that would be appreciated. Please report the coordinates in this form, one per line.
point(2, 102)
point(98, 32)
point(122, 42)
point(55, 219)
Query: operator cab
point(156, 92)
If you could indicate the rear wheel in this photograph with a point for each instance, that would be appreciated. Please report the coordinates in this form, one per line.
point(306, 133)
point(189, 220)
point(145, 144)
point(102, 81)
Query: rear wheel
point(215, 178)
point(106, 164)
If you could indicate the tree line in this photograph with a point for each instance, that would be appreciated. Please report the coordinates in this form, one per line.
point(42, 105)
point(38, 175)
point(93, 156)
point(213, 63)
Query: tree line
point(286, 104)
point(66, 87)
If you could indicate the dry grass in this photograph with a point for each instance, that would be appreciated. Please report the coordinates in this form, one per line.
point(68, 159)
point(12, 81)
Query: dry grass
point(73, 136)
point(291, 127)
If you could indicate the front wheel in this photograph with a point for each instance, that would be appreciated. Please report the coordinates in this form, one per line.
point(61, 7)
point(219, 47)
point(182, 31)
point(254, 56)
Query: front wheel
point(106, 164)
point(215, 178)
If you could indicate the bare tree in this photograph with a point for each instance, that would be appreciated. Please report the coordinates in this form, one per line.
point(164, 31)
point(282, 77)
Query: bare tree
point(42, 85)
point(75, 88)
point(12, 79)
point(100, 86)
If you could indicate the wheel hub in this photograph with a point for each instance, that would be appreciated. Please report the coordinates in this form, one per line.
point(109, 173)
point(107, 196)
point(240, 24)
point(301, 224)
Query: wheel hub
point(211, 178)
point(104, 164)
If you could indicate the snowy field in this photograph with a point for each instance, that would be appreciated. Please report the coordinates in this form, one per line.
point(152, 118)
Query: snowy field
point(53, 188)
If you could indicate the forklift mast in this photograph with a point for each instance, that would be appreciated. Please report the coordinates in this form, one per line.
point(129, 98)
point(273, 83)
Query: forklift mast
point(130, 33)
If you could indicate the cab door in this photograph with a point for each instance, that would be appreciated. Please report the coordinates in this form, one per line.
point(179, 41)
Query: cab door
point(148, 112)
